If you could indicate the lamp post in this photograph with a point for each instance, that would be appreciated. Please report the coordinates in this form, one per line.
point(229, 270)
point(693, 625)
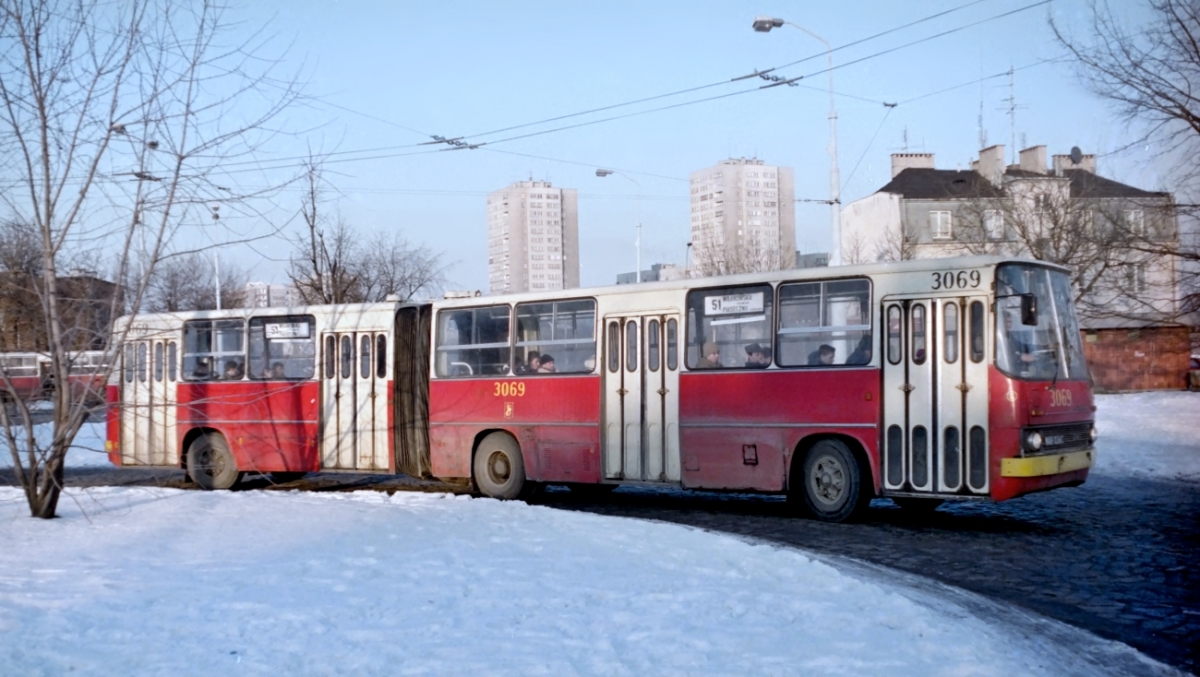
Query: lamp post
point(606, 172)
point(763, 24)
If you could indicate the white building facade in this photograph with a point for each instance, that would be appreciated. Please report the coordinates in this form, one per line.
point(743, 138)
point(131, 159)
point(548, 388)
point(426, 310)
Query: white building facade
point(533, 238)
point(743, 216)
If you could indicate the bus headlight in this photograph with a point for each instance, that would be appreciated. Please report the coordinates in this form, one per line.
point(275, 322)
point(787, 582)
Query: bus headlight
point(1093, 434)
point(1033, 440)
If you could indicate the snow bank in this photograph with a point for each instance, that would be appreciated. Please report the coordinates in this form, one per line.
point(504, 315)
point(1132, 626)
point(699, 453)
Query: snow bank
point(165, 582)
point(1152, 435)
point(88, 450)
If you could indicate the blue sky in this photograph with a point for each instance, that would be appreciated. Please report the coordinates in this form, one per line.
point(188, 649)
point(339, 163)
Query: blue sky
point(389, 74)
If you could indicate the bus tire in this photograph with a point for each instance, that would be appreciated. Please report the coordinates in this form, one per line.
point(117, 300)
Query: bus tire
point(498, 468)
point(831, 482)
point(210, 463)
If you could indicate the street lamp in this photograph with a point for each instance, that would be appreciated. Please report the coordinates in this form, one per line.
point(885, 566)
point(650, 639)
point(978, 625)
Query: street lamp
point(764, 24)
point(606, 172)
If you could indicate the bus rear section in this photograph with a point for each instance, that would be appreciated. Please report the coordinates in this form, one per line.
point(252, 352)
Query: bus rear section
point(279, 391)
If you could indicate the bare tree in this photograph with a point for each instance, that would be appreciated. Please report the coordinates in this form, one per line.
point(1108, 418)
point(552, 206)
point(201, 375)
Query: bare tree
point(186, 283)
point(116, 120)
point(1111, 277)
point(333, 263)
point(394, 266)
point(897, 245)
point(750, 255)
point(1149, 73)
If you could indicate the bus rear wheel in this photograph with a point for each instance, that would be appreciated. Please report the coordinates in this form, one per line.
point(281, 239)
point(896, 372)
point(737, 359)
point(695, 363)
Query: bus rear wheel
point(498, 467)
point(210, 463)
point(831, 482)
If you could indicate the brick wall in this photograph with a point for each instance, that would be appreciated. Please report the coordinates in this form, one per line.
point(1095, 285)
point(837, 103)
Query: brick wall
point(1137, 359)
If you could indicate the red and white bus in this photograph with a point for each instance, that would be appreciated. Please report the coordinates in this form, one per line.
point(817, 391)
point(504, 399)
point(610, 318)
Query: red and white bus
point(923, 381)
point(28, 376)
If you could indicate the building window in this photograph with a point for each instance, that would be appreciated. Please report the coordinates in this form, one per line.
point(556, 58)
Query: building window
point(1135, 277)
point(1135, 222)
point(939, 225)
point(993, 224)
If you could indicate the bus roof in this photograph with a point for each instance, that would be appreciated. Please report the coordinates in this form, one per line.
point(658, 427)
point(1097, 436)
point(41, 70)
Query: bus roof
point(788, 275)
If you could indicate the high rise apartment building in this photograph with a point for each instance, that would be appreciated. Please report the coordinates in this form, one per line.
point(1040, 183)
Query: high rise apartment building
point(266, 295)
point(743, 217)
point(533, 238)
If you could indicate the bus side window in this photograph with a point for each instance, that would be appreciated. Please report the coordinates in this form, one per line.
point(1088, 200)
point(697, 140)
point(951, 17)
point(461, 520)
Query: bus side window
point(733, 323)
point(893, 334)
point(951, 330)
point(918, 334)
point(381, 356)
point(560, 334)
point(631, 346)
point(347, 357)
point(158, 362)
point(129, 363)
point(977, 331)
point(330, 356)
point(672, 344)
point(473, 341)
point(614, 347)
point(364, 357)
point(172, 362)
point(141, 362)
point(652, 340)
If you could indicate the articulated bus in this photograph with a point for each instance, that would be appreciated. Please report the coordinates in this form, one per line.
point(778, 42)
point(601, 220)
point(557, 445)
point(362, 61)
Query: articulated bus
point(922, 381)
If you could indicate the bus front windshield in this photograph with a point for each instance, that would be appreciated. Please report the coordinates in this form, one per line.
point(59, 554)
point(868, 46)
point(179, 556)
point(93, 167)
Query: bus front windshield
point(1051, 348)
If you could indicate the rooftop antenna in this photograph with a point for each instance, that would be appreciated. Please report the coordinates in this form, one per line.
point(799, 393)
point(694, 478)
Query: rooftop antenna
point(982, 131)
point(1012, 109)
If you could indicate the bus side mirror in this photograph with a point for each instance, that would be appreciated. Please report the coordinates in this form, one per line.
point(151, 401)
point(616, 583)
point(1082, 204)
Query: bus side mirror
point(1029, 309)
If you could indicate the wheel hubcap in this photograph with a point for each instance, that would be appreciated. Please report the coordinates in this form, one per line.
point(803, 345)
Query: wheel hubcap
point(828, 480)
point(498, 467)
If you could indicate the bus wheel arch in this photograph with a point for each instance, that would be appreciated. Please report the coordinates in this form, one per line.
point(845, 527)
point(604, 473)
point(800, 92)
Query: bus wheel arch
point(497, 465)
point(830, 477)
point(210, 462)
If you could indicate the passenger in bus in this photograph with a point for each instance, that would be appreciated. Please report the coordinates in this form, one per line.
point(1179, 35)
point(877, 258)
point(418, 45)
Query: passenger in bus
point(203, 370)
point(532, 364)
point(546, 364)
point(233, 371)
point(710, 356)
point(822, 355)
point(756, 357)
point(277, 372)
point(862, 352)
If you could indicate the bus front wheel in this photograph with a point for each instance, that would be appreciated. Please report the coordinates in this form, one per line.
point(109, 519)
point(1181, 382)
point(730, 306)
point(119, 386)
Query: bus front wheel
point(498, 467)
point(210, 463)
point(831, 482)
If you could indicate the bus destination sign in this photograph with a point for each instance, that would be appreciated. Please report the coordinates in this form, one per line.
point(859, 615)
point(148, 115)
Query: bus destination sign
point(286, 330)
point(733, 304)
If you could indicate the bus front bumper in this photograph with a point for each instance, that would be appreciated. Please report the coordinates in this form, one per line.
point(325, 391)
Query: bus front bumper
point(1052, 464)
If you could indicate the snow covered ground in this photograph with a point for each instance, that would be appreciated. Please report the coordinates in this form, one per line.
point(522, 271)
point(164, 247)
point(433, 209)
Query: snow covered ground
point(156, 581)
point(1152, 435)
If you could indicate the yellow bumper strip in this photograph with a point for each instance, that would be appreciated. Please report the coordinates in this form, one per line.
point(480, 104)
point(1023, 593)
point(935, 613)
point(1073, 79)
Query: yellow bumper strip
point(1039, 466)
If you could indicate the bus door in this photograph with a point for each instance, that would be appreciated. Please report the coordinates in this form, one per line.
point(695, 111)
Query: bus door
point(641, 397)
point(353, 402)
point(935, 394)
point(149, 375)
